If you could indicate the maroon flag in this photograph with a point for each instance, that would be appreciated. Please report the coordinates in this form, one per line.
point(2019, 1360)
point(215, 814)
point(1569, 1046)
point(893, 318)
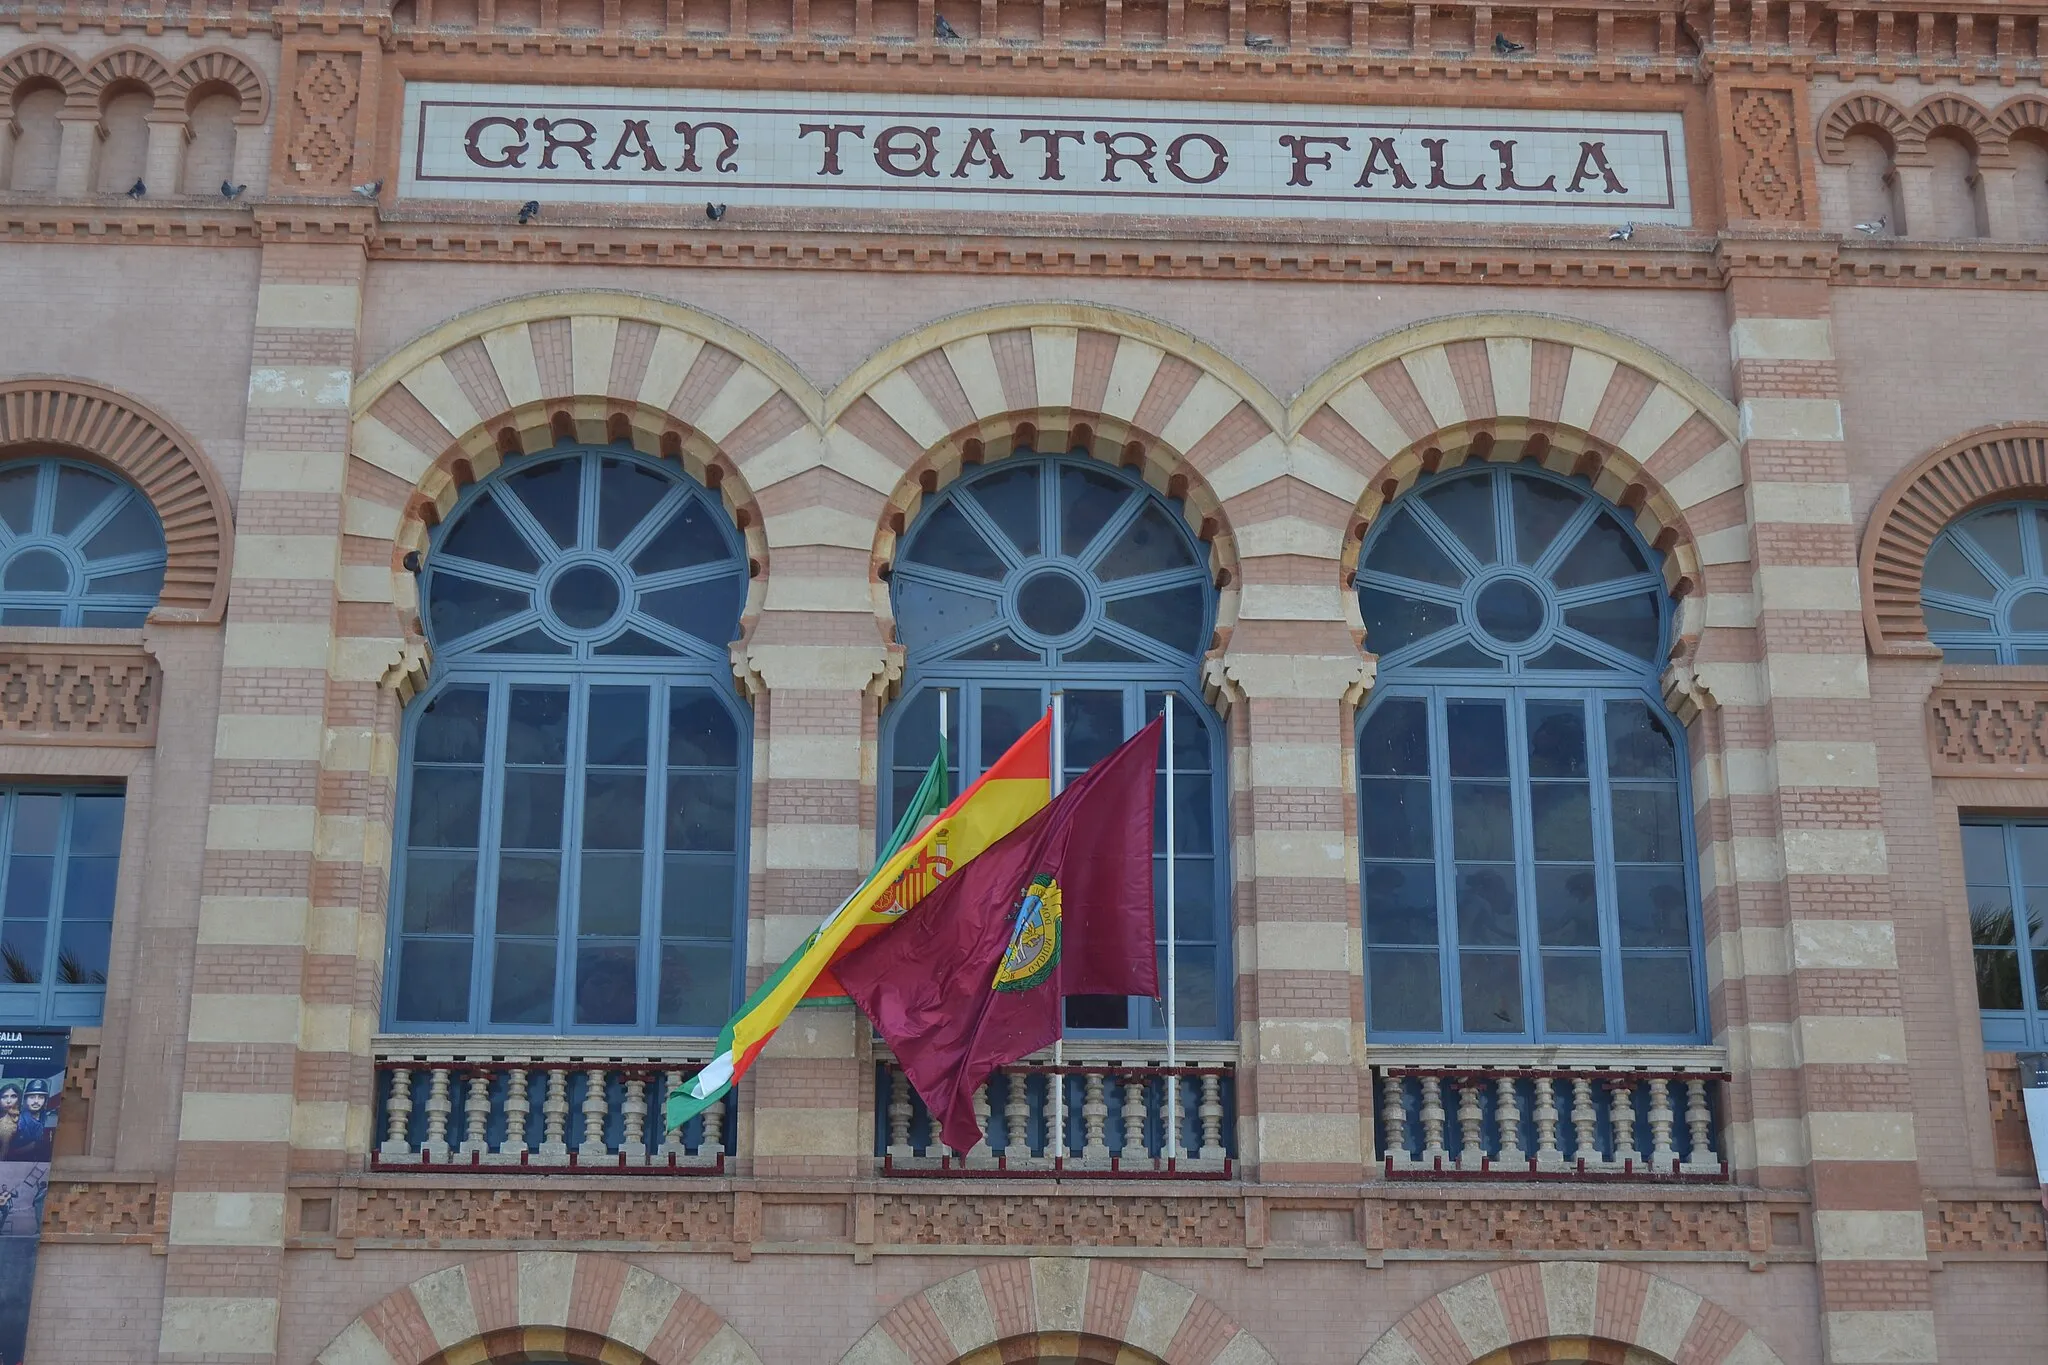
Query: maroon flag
point(973, 977)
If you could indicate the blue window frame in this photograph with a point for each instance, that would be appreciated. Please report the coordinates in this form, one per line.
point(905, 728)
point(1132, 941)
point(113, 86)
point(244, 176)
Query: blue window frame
point(78, 547)
point(1527, 860)
point(63, 858)
point(1984, 589)
point(2005, 864)
point(1045, 572)
point(574, 803)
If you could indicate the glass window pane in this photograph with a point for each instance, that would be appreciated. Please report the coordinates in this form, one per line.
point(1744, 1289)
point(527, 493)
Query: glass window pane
point(1656, 993)
point(1605, 551)
point(1574, 998)
point(38, 820)
point(1557, 739)
point(21, 951)
point(2032, 843)
point(533, 808)
point(1486, 907)
point(607, 984)
point(1395, 738)
point(553, 494)
point(2029, 612)
point(698, 896)
point(481, 531)
point(616, 732)
point(1949, 570)
point(709, 610)
point(614, 806)
point(1395, 818)
point(1478, 736)
point(80, 492)
point(1465, 506)
point(608, 896)
point(1991, 915)
point(946, 539)
point(1172, 616)
point(1088, 500)
point(1007, 712)
point(440, 893)
point(523, 983)
point(1651, 903)
point(1998, 979)
point(1943, 619)
point(1195, 995)
point(1152, 543)
point(529, 893)
point(1490, 992)
point(451, 727)
point(927, 613)
point(626, 490)
point(459, 606)
point(1011, 497)
point(703, 811)
point(135, 583)
point(1393, 621)
point(1567, 914)
point(1403, 549)
point(1984, 853)
point(1541, 510)
point(1561, 821)
point(696, 986)
point(1404, 991)
point(82, 953)
point(447, 806)
point(37, 571)
point(131, 531)
point(1051, 603)
point(1481, 827)
point(1630, 624)
point(1638, 743)
point(2040, 980)
point(1997, 533)
point(30, 878)
point(96, 825)
point(701, 732)
point(1400, 903)
point(18, 496)
point(89, 888)
point(433, 981)
point(1646, 824)
point(696, 533)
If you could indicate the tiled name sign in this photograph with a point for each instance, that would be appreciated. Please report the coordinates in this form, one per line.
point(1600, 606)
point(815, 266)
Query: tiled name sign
point(799, 149)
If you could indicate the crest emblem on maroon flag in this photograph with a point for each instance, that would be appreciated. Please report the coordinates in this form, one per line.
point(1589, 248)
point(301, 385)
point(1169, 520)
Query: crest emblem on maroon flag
point(1035, 941)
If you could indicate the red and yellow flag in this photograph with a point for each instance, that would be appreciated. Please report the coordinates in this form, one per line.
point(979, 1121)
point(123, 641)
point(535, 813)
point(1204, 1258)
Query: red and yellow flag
point(1014, 789)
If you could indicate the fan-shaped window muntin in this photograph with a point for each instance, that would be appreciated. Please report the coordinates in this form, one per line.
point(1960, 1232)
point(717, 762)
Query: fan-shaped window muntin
point(573, 819)
point(1527, 862)
point(1511, 570)
point(78, 547)
point(1984, 588)
point(1044, 572)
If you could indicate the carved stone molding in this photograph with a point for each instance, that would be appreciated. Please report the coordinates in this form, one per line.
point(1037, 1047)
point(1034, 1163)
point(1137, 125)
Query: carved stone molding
point(78, 694)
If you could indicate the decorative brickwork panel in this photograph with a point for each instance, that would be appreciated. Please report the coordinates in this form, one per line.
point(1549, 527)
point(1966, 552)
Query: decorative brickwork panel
point(326, 90)
point(424, 1214)
point(1984, 725)
point(1769, 178)
point(1565, 1225)
point(1986, 1227)
point(100, 1210)
point(78, 696)
point(2011, 1142)
point(1035, 1220)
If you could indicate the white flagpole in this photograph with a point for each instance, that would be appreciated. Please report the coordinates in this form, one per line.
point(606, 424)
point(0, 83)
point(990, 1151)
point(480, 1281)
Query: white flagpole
point(1172, 1078)
point(1058, 1146)
point(942, 737)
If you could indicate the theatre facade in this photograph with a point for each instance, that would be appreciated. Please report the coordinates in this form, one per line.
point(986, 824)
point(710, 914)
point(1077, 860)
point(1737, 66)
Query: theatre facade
point(501, 499)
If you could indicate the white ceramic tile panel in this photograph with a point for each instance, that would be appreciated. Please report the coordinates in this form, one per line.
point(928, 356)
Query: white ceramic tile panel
point(456, 132)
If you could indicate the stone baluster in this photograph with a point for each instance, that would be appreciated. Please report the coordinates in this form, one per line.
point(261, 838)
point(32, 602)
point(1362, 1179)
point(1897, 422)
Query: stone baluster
point(1548, 1157)
point(1585, 1124)
point(554, 1112)
point(711, 1146)
point(595, 1108)
point(1432, 1123)
point(1211, 1114)
point(439, 1107)
point(979, 1154)
point(1663, 1156)
point(476, 1112)
point(516, 1110)
point(1394, 1117)
point(1471, 1149)
point(398, 1117)
point(899, 1115)
point(1094, 1116)
point(1507, 1116)
point(633, 1109)
point(1017, 1118)
point(1136, 1153)
point(1621, 1117)
point(1700, 1154)
point(671, 1138)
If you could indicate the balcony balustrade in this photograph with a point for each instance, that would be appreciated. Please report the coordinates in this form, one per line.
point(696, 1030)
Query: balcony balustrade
point(1103, 1112)
point(559, 1105)
point(1550, 1113)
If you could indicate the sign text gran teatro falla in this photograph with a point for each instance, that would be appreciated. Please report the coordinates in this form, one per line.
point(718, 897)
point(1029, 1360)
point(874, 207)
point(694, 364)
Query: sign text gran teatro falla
point(1014, 156)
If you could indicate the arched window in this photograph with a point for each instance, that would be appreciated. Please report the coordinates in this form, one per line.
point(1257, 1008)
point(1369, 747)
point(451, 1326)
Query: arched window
point(1058, 572)
point(78, 547)
point(574, 804)
point(1985, 588)
point(1527, 859)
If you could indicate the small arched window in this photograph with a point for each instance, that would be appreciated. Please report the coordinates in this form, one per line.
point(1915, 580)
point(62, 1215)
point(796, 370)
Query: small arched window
point(1984, 590)
point(1527, 860)
point(78, 547)
point(1040, 573)
point(574, 805)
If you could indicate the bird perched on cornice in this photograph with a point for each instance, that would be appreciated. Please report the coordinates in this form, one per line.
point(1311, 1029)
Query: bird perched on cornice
point(138, 189)
point(1625, 232)
point(229, 190)
point(714, 211)
point(1259, 43)
point(1504, 46)
point(942, 29)
point(1876, 229)
point(529, 211)
point(369, 191)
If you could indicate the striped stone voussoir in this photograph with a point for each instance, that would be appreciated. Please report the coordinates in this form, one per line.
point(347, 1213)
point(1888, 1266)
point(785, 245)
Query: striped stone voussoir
point(1057, 1308)
point(540, 1305)
point(1569, 1310)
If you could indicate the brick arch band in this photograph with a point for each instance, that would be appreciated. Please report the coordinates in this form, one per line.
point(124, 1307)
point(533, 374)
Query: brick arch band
point(1569, 1310)
point(49, 416)
point(539, 1305)
point(85, 84)
point(1056, 1308)
point(1992, 464)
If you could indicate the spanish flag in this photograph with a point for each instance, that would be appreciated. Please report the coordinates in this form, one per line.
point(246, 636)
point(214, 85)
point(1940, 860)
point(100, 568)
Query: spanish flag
point(923, 853)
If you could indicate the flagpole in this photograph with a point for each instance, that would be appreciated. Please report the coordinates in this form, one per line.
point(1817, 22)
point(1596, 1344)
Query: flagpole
point(1172, 938)
point(1058, 1146)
